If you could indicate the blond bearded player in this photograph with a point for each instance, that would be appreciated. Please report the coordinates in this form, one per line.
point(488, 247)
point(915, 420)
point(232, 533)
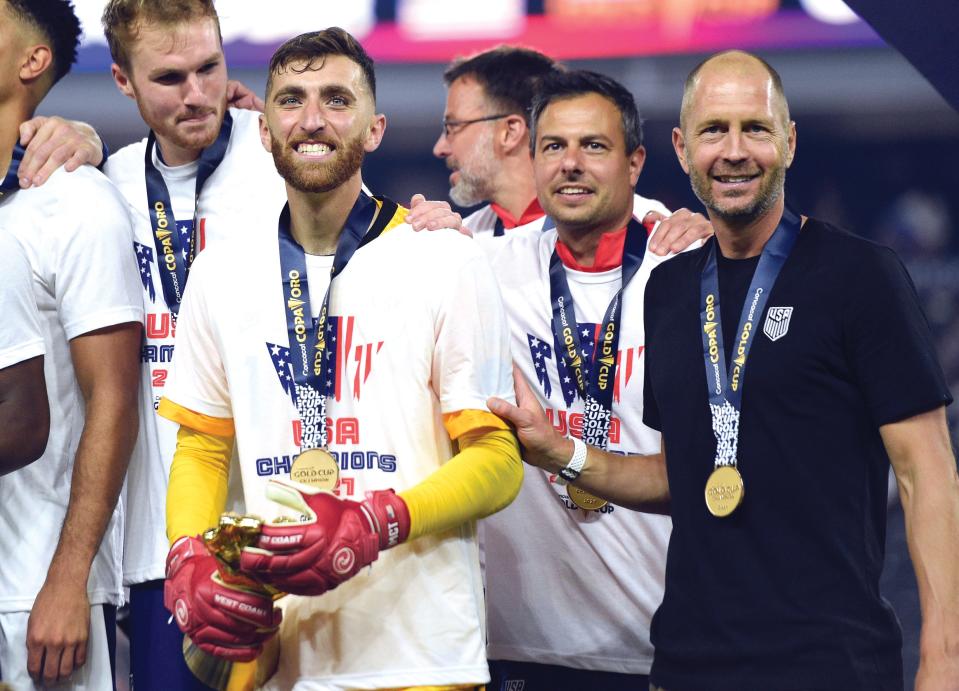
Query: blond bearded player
point(412, 340)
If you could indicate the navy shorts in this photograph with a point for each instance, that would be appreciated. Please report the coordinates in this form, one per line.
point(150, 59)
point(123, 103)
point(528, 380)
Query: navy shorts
point(529, 676)
point(156, 644)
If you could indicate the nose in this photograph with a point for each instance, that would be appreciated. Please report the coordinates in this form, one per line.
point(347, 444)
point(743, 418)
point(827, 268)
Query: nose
point(311, 117)
point(194, 93)
point(572, 161)
point(734, 149)
point(441, 149)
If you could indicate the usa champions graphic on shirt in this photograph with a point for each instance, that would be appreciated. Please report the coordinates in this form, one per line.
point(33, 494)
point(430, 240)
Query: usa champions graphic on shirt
point(352, 364)
point(552, 370)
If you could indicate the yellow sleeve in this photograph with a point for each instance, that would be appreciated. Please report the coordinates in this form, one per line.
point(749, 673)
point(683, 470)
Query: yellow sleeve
point(196, 495)
point(483, 478)
point(220, 426)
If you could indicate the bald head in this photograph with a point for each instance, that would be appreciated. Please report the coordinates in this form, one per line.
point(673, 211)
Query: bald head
point(718, 71)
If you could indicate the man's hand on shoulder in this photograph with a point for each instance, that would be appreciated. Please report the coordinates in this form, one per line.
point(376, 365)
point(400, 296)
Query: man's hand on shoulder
point(430, 215)
point(676, 232)
point(51, 142)
point(239, 95)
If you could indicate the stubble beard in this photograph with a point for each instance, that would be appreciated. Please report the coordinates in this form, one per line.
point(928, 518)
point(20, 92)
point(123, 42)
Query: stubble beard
point(302, 176)
point(766, 197)
point(476, 173)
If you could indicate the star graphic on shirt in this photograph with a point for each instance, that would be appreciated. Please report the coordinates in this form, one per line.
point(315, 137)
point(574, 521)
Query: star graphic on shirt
point(585, 333)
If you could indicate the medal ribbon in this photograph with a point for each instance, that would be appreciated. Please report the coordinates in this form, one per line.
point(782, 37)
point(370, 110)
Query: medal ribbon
point(174, 256)
point(312, 362)
point(597, 392)
point(726, 388)
point(11, 181)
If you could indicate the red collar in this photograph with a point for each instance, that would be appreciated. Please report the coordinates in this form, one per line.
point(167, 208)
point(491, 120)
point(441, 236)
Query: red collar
point(533, 212)
point(609, 253)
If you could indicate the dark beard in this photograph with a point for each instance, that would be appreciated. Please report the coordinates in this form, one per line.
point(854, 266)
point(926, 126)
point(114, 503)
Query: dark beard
point(346, 161)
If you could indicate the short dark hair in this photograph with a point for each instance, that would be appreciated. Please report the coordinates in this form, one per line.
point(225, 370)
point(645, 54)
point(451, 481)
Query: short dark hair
point(123, 19)
point(570, 84)
point(509, 75)
point(58, 22)
point(691, 80)
point(317, 45)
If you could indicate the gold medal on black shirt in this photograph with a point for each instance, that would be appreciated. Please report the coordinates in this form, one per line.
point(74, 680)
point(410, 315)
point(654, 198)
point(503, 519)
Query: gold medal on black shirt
point(316, 468)
point(724, 491)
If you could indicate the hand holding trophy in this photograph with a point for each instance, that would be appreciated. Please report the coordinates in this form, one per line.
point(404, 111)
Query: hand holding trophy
point(226, 617)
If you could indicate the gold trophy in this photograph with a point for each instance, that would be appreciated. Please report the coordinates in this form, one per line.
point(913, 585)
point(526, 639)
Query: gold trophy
point(226, 542)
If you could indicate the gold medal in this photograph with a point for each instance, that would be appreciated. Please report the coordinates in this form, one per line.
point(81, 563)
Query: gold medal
point(724, 490)
point(584, 499)
point(316, 468)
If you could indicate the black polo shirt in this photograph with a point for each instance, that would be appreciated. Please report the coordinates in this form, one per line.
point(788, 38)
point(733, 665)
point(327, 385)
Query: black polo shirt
point(784, 594)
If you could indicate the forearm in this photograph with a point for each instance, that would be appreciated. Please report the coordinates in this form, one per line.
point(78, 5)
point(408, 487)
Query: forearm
point(199, 477)
point(636, 482)
point(931, 506)
point(483, 478)
point(921, 454)
point(99, 467)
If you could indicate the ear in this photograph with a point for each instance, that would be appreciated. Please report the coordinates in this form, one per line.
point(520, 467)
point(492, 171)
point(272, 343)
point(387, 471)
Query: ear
point(679, 146)
point(375, 135)
point(36, 61)
point(265, 137)
point(791, 143)
point(122, 81)
point(512, 134)
point(636, 161)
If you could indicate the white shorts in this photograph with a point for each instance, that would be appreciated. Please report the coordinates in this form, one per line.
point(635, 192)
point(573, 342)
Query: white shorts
point(95, 675)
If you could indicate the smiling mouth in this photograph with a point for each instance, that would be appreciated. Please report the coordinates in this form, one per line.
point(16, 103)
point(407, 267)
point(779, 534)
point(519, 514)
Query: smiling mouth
point(573, 191)
point(735, 179)
point(313, 149)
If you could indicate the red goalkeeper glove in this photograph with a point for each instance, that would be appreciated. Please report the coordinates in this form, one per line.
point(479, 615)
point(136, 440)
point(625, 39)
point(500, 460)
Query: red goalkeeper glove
point(222, 620)
point(334, 540)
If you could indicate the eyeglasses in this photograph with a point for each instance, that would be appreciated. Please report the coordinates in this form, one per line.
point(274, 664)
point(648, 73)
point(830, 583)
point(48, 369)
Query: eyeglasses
point(451, 127)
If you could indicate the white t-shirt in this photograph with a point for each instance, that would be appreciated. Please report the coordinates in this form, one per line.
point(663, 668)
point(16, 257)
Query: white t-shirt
point(566, 586)
point(482, 223)
point(419, 332)
point(20, 337)
point(241, 200)
point(75, 231)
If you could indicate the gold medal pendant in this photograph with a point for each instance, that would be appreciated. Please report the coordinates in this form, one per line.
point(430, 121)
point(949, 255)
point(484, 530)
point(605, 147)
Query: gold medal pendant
point(316, 468)
point(724, 491)
point(584, 499)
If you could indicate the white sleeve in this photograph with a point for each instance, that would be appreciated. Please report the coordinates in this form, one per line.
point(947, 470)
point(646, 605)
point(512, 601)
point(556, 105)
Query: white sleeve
point(20, 337)
point(471, 360)
point(198, 377)
point(98, 282)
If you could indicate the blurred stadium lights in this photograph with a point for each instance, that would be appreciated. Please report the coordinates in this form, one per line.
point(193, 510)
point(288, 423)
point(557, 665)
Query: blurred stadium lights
point(830, 11)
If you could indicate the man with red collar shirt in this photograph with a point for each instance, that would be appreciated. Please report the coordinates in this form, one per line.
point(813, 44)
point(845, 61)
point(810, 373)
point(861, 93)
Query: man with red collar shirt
point(575, 611)
point(485, 136)
point(485, 142)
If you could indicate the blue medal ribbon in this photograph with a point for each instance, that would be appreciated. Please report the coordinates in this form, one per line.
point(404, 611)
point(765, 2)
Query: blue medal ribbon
point(312, 361)
point(11, 181)
point(726, 386)
point(597, 391)
point(174, 256)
